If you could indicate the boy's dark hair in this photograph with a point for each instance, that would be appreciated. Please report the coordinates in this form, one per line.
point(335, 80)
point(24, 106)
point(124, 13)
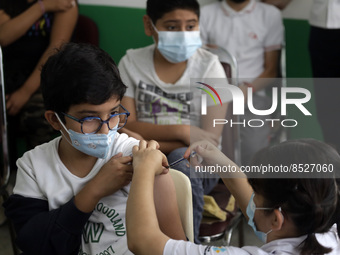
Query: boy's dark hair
point(313, 204)
point(79, 73)
point(155, 9)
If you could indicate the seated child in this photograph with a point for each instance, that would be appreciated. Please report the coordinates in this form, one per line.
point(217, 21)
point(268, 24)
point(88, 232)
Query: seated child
point(292, 216)
point(158, 94)
point(253, 33)
point(70, 194)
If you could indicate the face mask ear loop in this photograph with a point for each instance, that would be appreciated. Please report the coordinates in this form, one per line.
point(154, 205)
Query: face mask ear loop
point(154, 27)
point(269, 232)
point(62, 124)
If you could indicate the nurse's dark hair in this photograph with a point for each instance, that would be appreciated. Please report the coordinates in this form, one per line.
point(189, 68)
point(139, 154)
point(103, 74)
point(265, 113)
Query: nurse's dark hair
point(311, 203)
point(155, 9)
point(79, 73)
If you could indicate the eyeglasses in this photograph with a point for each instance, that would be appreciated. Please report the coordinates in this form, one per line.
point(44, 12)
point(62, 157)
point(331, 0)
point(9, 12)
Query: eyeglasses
point(91, 125)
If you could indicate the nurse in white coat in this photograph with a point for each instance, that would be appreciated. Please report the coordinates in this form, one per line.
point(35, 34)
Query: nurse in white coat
point(292, 216)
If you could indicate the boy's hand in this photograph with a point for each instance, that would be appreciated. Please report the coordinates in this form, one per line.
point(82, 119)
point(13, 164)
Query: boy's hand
point(114, 175)
point(147, 157)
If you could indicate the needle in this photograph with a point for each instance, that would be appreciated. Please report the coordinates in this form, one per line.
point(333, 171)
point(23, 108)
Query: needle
point(180, 160)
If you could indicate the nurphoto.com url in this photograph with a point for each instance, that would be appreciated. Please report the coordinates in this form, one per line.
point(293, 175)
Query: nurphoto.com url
point(267, 169)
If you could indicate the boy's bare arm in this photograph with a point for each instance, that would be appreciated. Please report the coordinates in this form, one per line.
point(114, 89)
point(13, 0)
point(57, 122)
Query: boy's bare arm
point(146, 238)
point(214, 112)
point(168, 146)
point(166, 207)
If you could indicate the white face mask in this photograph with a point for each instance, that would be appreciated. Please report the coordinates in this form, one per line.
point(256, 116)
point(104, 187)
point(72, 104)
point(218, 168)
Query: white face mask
point(178, 46)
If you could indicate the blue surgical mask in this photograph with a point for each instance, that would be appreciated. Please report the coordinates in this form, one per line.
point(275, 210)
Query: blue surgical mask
point(251, 208)
point(178, 46)
point(96, 145)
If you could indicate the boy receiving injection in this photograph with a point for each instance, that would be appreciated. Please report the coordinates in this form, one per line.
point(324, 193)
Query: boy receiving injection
point(70, 194)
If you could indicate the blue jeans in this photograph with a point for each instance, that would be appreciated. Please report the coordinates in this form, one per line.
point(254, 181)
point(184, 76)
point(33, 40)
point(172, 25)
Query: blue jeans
point(200, 186)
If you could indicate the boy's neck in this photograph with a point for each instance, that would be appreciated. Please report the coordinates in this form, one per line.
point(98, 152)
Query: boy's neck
point(237, 6)
point(75, 161)
point(166, 71)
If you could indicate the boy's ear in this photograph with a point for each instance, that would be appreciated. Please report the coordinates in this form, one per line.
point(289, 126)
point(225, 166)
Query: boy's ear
point(278, 220)
point(52, 119)
point(148, 28)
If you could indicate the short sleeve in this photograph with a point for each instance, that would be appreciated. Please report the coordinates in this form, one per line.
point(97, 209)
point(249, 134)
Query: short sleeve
point(126, 78)
point(275, 33)
point(124, 144)
point(26, 183)
point(216, 70)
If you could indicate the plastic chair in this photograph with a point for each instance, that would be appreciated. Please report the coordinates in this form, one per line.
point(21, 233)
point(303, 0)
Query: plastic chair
point(4, 157)
point(228, 62)
point(279, 133)
point(86, 31)
point(184, 200)
point(213, 230)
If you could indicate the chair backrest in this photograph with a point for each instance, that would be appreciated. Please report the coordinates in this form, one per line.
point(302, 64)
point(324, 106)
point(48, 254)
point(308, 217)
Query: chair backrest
point(228, 62)
point(86, 31)
point(184, 201)
point(4, 158)
point(231, 141)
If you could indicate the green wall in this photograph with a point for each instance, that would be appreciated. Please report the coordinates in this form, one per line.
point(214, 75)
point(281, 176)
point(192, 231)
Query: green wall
point(298, 66)
point(297, 33)
point(119, 28)
point(122, 28)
